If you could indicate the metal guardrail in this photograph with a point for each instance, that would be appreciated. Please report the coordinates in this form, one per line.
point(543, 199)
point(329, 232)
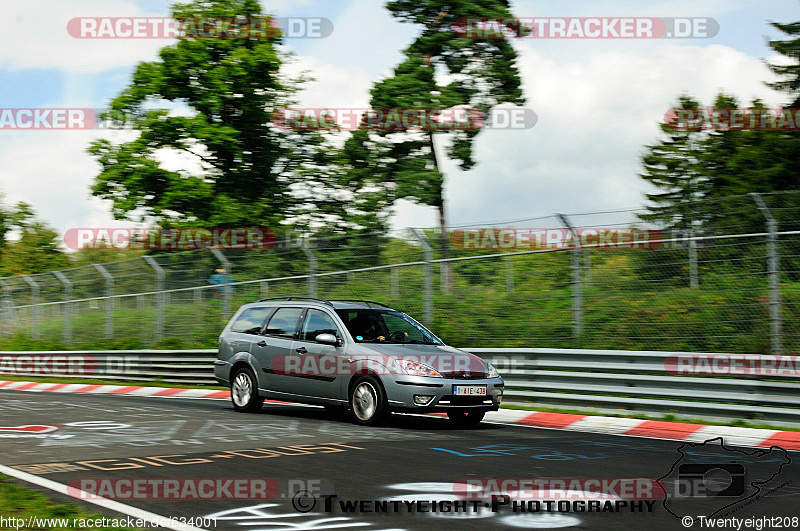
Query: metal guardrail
point(602, 381)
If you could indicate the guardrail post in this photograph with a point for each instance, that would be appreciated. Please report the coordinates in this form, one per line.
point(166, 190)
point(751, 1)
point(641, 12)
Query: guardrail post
point(159, 332)
point(428, 281)
point(35, 308)
point(577, 292)
point(312, 268)
point(227, 288)
point(7, 307)
point(67, 305)
point(109, 318)
point(774, 276)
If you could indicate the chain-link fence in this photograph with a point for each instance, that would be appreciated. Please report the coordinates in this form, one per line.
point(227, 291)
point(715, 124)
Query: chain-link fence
point(718, 276)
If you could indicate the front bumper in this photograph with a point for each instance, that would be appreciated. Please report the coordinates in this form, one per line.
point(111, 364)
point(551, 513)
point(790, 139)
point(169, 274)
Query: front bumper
point(402, 390)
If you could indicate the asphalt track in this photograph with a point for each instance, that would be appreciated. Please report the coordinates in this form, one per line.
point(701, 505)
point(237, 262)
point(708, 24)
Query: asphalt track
point(412, 457)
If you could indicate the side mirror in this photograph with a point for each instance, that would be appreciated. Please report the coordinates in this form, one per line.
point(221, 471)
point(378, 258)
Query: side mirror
point(327, 339)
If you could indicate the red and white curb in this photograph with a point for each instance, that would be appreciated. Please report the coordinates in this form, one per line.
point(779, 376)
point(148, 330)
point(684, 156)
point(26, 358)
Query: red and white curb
point(735, 436)
point(656, 429)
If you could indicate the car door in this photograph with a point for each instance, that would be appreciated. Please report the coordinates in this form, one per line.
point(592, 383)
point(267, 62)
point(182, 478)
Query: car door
point(245, 330)
point(320, 371)
point(273, 347)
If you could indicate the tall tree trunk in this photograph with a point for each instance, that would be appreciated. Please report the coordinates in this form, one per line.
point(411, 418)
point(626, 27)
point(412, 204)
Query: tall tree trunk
point(444, 242)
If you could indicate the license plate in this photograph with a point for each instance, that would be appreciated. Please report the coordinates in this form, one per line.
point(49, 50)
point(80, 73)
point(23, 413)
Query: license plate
point(469, 390)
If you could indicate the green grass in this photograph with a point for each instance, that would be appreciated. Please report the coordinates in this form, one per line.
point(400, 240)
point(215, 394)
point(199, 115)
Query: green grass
point(22, 503)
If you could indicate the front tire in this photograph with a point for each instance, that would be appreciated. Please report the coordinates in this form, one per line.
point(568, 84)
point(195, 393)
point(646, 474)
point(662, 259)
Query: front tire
point(466, 419)
point(368, 402)
point(244, 391)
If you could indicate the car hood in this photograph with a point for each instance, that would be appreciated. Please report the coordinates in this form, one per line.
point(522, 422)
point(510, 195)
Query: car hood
point(437, 354)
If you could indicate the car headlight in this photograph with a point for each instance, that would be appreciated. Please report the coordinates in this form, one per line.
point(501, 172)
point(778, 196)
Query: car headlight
point(415, 368)
point(492, 371)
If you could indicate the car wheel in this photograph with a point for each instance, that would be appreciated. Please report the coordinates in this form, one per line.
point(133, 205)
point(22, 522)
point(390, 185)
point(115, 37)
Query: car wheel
point(368, 401)
point(466, 419)
point(244, 391)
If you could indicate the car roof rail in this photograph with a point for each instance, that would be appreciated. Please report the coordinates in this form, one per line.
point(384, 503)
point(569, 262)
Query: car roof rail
point(294, 297)
point(368, 303)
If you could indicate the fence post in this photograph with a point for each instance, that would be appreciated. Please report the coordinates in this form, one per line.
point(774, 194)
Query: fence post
point(428, 281)
point(509, 274)
point(35, 308)
point(312, 268)
point(694, 279)
point(227, 288)
point(159, 332)
point(395, 283)
point(109, 319)
point(774, 276)
point(577, 292)
point(7, 307)
point(67, 305)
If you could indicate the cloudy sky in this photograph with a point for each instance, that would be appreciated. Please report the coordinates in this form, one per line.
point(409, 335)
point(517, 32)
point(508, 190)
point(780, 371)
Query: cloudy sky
point(598, 102)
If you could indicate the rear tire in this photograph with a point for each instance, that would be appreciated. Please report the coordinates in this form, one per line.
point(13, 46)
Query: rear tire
point(244, 391)
point(466, 419)
point(368, 402)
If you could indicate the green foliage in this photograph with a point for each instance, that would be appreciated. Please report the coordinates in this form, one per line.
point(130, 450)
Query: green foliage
point(38, 248)
point(481, 73)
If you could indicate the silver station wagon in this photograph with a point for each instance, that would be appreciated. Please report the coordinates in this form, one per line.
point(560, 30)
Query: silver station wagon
point(352, 355)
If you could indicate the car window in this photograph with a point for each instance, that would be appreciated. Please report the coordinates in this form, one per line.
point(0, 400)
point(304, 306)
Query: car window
point(284, 322)
point(250, 321)
point(318, 322)
point(403, 330)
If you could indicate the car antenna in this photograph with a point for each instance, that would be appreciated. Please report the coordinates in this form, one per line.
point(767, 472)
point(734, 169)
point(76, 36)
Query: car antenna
point(360, 299)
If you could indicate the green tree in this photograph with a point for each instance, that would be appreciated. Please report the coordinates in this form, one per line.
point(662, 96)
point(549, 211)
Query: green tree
point(673, 167)
point(790, 73)
point(245, 167)
point(441, 69)
point(38, 248)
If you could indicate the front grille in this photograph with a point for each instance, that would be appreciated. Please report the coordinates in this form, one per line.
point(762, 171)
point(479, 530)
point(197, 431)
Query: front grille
point(461, 375)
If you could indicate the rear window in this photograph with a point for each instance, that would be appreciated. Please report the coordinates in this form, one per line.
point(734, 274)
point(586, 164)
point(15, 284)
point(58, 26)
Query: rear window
point(284, 322)
point(250, 321)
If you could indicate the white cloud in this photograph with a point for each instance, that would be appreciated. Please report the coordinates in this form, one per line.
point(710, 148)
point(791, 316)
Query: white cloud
point(35, 36)
point(595, 116)
point(52, 171)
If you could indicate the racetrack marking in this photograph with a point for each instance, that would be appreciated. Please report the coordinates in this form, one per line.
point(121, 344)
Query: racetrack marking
point(154, 519)
point(677, 431)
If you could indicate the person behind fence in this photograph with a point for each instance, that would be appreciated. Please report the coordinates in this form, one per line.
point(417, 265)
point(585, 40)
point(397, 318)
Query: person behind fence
point(222, 280)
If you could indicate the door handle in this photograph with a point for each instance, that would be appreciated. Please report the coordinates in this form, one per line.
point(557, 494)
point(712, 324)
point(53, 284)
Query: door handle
point(261, 343)
point(301, 350)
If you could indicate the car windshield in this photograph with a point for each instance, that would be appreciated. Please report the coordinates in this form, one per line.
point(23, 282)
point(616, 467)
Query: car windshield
point(385, 326)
